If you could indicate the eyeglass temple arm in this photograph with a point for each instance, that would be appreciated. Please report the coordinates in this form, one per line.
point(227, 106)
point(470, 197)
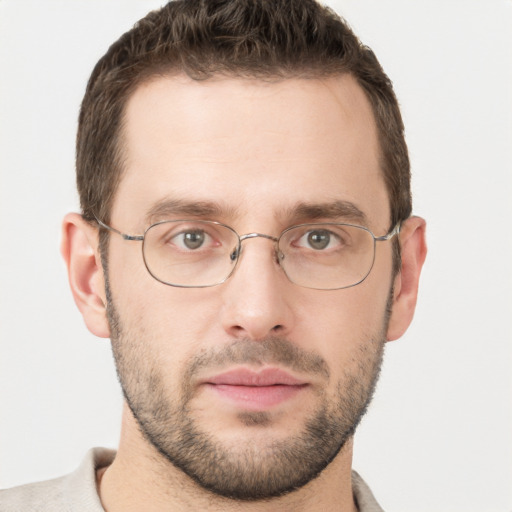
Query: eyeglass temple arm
point(114, 230)
point(391, 234)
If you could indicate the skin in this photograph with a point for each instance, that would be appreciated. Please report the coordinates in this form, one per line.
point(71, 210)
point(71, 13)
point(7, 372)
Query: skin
point(256, 149)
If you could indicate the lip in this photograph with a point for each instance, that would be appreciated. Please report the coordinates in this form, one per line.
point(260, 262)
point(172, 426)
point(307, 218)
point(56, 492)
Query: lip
point(247, 377)
point(255, 390)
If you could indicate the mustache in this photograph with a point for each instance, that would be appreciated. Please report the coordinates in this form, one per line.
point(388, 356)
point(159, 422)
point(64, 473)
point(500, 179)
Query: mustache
point(271, 350)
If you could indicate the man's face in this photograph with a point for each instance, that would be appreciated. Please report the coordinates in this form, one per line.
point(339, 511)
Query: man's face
point(253, 386)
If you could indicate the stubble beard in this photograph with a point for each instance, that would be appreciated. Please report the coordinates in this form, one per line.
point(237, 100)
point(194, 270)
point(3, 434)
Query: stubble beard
point(244, 470)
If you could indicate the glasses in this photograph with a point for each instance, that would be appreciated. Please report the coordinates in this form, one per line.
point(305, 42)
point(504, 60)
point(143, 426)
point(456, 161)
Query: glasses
point(203, 253)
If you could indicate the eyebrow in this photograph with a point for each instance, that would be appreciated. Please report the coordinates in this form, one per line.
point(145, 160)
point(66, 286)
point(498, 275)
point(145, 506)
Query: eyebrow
point(332, 210)
point(170, 207)
point(337, 210)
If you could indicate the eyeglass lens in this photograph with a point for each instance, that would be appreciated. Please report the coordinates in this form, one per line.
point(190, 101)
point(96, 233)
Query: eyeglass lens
point(201, 253)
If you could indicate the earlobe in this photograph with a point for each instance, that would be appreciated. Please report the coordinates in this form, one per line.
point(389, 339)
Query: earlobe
point(79, 249)
point(414, 251)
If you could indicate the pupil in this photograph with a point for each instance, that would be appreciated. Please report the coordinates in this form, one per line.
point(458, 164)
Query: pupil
point(193, 240)
point(319, 239)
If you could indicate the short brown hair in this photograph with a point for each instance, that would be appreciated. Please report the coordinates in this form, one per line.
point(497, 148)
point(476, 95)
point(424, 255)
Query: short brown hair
point(267, 39)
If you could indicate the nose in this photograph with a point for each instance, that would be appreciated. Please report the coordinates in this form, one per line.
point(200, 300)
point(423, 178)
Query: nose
point(257, 297)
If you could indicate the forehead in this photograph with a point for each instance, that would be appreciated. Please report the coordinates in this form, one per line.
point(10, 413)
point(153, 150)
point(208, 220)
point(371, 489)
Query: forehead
point(249, 146)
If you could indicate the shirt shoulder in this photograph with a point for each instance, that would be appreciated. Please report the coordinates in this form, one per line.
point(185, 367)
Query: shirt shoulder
point(363, 496)
point(75, 492)
point(39, 496)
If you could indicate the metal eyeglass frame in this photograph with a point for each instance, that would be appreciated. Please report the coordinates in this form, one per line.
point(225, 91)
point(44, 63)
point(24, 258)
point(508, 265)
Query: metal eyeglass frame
point(235, 255)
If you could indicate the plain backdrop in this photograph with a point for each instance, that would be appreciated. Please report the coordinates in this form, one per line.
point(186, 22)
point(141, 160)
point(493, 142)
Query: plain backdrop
point(438, 436)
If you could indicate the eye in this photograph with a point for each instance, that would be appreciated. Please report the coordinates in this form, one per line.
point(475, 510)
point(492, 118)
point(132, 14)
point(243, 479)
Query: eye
point(319, 240)
point(192, 239)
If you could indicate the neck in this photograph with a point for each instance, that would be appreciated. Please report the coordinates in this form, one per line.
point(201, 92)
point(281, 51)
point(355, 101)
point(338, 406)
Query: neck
point(140, 478)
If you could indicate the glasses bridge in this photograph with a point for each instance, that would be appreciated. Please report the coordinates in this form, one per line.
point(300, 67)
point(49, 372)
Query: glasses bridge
point(235, 254)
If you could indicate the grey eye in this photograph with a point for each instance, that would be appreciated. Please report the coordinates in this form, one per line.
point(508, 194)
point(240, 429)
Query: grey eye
point(319, 239)
point(193, 239)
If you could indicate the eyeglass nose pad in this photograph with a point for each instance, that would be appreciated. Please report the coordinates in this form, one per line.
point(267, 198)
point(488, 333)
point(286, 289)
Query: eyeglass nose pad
point(235, 253)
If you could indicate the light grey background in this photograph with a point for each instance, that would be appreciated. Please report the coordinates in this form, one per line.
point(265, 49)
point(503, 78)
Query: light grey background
point(438, 436)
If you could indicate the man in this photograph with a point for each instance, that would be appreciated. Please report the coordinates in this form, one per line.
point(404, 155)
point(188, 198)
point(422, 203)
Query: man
point(246, 242)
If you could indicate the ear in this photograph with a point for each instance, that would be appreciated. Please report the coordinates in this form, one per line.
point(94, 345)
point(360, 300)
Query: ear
point(414, 251)
point(80, 251)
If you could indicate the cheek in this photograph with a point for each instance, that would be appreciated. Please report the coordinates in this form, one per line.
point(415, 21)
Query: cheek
point(352, 345)
point(174, 323)
point(341, 321)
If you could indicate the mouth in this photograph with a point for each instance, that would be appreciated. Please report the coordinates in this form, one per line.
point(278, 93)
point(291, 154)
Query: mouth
point(256, 390)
